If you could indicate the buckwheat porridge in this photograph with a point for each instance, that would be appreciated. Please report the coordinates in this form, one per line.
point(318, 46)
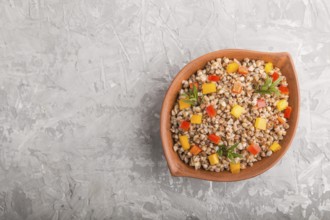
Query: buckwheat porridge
point(230, 114)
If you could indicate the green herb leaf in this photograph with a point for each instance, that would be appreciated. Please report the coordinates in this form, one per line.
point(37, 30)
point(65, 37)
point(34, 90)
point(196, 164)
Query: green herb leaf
point(277, 81)
point(191, 96)
point(263, 92)
point(268, 82)
point(203, 98)
point(189, 101)
point(269, 86)
point(231, 155)
point(233, 147)
point(195, 91)
point(222, 150)
point(237, 155)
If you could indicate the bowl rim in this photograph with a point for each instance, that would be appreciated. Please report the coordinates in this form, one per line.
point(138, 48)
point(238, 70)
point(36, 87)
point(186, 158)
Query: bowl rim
point(183, 170)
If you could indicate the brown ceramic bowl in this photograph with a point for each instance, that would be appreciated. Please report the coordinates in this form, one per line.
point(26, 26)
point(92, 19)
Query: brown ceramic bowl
point(177, 167)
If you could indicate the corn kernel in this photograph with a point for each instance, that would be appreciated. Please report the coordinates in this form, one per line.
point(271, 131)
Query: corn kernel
point(183, 104)
point(184, 142)
point(275, 147)
point(232, 67)
point(282, 104)
point(214, 159)
point(237, 110)
point(235, 167)
point(268, 67)
point(196, 119)
point(209, 88)
point(261, 123)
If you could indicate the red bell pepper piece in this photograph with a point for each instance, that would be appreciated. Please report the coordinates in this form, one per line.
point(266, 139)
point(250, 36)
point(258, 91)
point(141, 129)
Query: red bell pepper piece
point(185, 125)
point(287, 112)
point(261, 103)
point(214, 78)
point(253, 149)
point(211, 111)
point(243, 70)
point(214, 138)
point(284, 90)
point(191, 85)
point(275, 76)
point(195, 150)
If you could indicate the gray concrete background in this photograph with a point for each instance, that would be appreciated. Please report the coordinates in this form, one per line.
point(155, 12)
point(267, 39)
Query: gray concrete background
point(81, 87)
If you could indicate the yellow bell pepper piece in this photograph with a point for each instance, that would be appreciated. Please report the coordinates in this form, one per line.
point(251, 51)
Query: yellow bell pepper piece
point(214, 159)
point(268, 67)
point(183, 104)
point(235, 167)
point(232, 67)
point(275, 147)
point(196, 119)
point(184, 142)
point(237, 110)
point(209, 88)
point(261, 123)
point(282, 104)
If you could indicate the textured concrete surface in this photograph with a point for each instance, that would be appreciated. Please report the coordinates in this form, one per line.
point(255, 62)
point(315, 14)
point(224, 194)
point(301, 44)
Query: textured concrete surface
point(81, 86)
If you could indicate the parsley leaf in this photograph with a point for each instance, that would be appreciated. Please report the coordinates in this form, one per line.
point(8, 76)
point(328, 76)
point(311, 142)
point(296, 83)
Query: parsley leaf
point(233, 147)
point(269, 86)
point(222, 149)
point(191, 96)
point(231, 155)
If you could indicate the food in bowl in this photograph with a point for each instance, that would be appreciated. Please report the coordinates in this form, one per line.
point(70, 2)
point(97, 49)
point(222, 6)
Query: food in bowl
point(230, 114)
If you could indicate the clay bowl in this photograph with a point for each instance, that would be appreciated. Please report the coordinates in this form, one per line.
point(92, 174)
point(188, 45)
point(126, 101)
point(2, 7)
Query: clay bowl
point(177, 167)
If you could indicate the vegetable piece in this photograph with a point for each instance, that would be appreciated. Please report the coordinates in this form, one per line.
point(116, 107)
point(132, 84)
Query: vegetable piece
point(184, 142)
point(253, 149)
point(237, 110)
point(261, 103)
point(209, 88)
point(214, 159)
point(268, 67)
point(183, 104)
point(284, 90)
point(275, 76)
point(237, 88)
point(235, 167)
point(196, 119)
point(191, 85)
point(275, 147)
point(243, 70)
point(185, 125)
point(214, 138)
point(192, 96)
point(231, 154)
point(211, 111)
point(281, 120)
point(269, 86)
point(195, 150)
point(282, 104)
point(213, 78)
point(232, 67)
point(223, 151)
point(261, 123)
point(287, 112)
